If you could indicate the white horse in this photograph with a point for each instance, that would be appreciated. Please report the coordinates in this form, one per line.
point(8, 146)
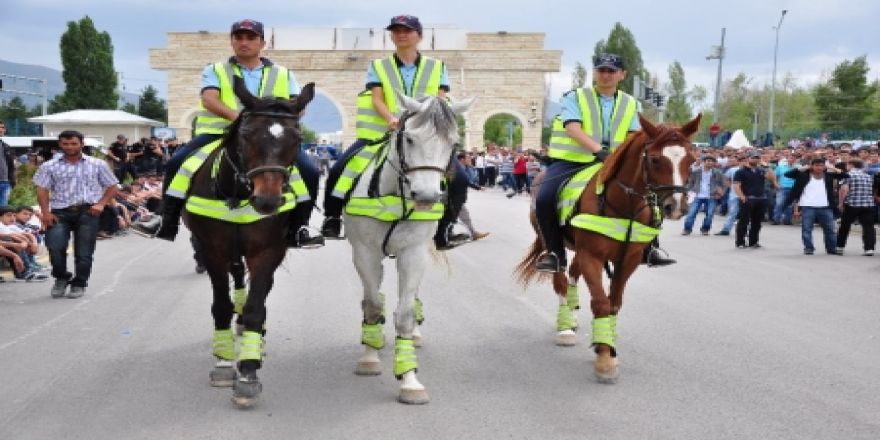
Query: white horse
point(419, 155)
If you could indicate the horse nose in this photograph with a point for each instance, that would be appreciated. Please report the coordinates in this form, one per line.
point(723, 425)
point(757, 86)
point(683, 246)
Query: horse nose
point(266, 205)
point(426, 196)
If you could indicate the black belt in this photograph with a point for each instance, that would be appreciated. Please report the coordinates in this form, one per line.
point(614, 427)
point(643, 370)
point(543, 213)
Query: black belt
point(76, 208)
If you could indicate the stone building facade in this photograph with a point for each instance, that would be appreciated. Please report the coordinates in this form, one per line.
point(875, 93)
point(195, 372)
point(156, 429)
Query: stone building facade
point(506, 72)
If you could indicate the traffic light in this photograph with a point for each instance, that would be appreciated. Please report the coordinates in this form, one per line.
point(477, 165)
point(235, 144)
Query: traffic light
point(658, 100)
point(649, 93)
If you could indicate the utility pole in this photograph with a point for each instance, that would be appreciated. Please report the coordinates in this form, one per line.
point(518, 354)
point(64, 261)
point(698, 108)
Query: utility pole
point(717, 54)
point(773, 81)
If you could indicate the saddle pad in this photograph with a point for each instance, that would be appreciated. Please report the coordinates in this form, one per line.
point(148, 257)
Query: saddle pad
point(571, 191)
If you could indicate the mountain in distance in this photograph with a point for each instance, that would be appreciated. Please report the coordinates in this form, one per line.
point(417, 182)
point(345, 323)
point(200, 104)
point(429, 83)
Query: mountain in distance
point(55, 83)
point(321, 115)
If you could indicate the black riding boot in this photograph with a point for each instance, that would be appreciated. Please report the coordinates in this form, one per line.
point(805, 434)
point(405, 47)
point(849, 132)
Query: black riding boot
point(298, 235)
point(653, 256)
point(165, 222)
point(550, 262)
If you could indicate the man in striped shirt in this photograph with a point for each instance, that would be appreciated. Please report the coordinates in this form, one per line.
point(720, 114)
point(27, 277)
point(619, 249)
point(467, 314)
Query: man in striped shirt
point(72, 191)
point(857, 201)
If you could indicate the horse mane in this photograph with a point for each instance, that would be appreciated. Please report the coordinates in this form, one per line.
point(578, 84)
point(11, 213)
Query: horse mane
point(438, 116)
point(635, 142)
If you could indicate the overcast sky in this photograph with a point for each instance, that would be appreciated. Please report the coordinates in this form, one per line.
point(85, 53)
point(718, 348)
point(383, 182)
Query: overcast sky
point(816, 34)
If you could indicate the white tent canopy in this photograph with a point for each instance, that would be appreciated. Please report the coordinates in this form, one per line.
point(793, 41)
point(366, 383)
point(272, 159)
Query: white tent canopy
point(95, 117)
point(738, 140)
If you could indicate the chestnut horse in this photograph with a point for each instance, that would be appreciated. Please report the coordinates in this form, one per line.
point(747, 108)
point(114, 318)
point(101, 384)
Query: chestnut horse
point(644, 175)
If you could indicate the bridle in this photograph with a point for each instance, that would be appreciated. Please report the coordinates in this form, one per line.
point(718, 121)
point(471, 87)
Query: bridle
point(403, 168)
point(233, 158)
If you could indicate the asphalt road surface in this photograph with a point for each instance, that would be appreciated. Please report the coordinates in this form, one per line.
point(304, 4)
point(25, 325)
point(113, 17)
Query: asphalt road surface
point(726, 344)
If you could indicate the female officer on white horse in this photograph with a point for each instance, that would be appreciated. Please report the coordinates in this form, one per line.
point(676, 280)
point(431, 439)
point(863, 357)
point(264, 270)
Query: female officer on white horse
point(406, 70)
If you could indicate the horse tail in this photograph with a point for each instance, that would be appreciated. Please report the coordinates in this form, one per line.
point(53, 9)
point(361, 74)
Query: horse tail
point(525, 272)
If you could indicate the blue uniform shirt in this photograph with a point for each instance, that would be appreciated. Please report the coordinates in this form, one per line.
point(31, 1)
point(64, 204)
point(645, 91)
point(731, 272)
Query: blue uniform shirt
point(571, 111)
point(252, 78)
point(408, 74)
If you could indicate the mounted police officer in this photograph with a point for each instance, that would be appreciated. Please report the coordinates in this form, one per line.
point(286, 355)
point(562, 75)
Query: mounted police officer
point(594, 121)
point(378, 111)
point(219, 107)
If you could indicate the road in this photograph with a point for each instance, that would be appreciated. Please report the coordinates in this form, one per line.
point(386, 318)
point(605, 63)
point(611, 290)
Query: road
point(726, 344)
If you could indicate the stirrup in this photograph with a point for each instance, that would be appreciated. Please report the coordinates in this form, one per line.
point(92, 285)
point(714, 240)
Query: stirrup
point(303, 240)
point(334, 232)
point(549, 262)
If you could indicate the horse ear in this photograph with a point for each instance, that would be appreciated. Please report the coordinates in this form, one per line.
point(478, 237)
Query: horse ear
point(692, 127)
point(407, 102)
point(460, 107)
point(244, 95)
point(649, 128)
point(305, 97)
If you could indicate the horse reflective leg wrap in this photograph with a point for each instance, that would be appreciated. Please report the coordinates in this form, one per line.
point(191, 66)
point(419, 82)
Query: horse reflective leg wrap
point(405, 368)
point(419, 313)
point(247, 386)
point(239, 297)
point(373, 337)
point(605, 333)
point(566, 320)
point(223, 374)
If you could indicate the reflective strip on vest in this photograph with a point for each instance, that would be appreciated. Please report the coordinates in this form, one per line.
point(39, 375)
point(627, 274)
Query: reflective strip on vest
point(369, 123)
point(244, 214)
point(207, 122)
point(571, 192)
point(353, 169)
point(615, 228)
point(180, 183)
point(564, 147)
point(389, 209)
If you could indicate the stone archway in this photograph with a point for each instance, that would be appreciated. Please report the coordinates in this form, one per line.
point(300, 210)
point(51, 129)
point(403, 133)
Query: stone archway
point(521, 119)
point(505, 71)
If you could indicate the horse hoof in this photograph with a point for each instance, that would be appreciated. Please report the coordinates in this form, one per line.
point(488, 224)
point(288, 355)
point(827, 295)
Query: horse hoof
point(411, 396)
point(566, 338)
point(245, 392)
point(368, 368)
point(607, 372)
point(607, 377)
point(223, 377)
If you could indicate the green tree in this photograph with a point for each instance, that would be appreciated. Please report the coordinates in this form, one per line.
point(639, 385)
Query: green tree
point(844, 101)
point(130, 108)
point(578, 76)
point(14, 109)
point(151, 106)
point(678, 110)
point(308, 135)
point(89, 77)
point(497, 130)
point(621, 42)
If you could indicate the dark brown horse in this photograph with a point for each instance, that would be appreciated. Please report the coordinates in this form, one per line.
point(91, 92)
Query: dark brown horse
point(647, 171)
point(251, 164)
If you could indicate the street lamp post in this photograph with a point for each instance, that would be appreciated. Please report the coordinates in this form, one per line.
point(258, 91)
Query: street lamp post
point(717, 54)
point(773, 80)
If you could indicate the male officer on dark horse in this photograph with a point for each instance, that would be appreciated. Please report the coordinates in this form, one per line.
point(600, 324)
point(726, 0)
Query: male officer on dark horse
point(219, 108)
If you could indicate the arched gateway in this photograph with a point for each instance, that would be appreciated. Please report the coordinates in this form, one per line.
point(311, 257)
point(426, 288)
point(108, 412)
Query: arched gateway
point(507, 71)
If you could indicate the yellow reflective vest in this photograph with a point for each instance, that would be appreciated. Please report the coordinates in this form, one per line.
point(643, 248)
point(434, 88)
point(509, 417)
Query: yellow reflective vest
point(275, 82)
point(369, 124)
point(564, 147)
point(390, 208)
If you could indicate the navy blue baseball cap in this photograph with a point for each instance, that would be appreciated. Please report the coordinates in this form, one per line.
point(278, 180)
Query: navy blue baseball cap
point(249, 26)
point(608, 61)
point(407, 21)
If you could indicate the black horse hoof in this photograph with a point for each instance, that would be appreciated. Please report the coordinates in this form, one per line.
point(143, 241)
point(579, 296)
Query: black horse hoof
point(246, 390)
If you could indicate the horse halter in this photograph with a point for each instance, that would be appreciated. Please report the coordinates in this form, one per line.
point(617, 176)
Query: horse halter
point(405, 168)
point(654, 188)
point(245, 178)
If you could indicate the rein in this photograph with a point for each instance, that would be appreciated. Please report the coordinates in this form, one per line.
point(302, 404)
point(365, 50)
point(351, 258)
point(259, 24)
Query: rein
point(651, 201)
point(402, 169)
